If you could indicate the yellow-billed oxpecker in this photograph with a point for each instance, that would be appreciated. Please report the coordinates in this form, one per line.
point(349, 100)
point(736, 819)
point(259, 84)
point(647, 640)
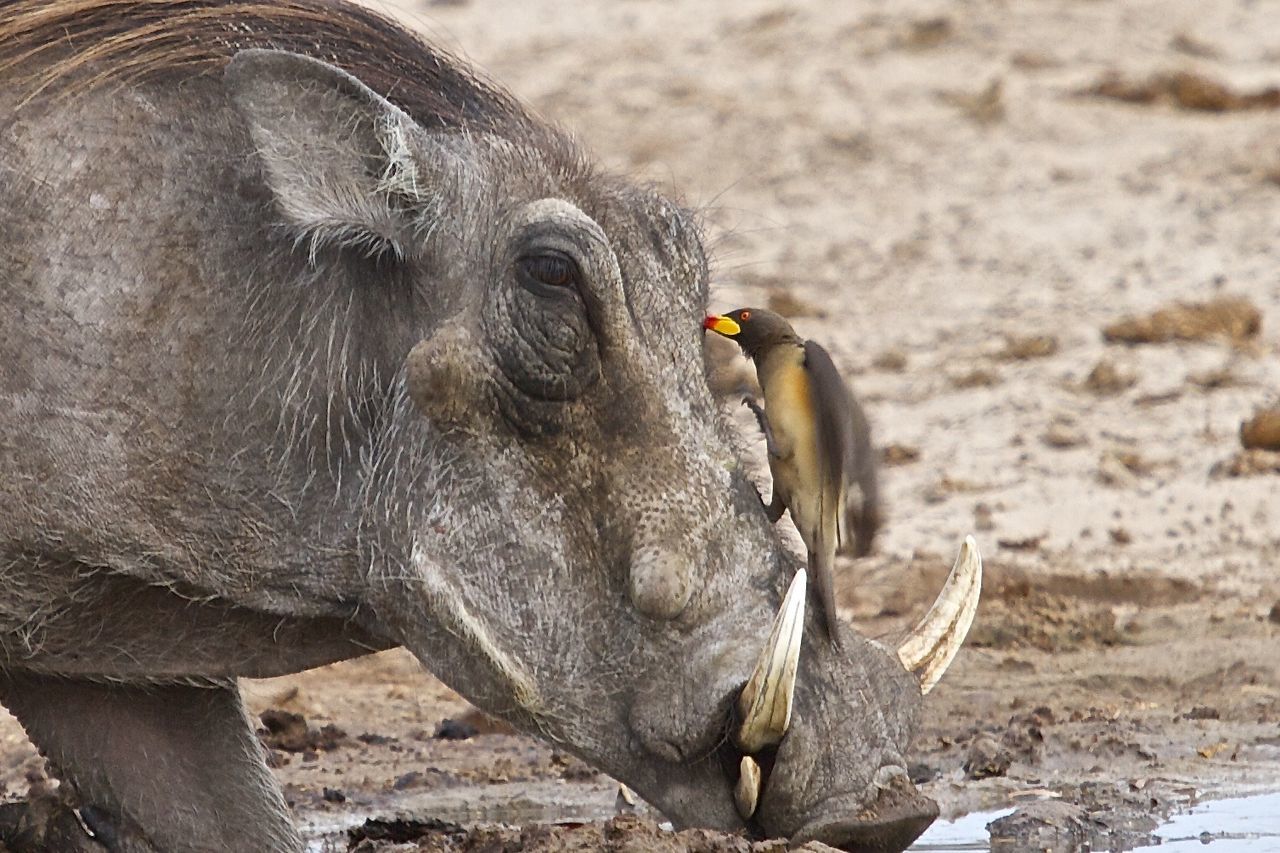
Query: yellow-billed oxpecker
point(818, 441)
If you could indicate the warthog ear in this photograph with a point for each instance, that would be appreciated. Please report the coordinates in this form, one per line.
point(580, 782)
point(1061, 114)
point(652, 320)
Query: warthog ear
point(337, 154)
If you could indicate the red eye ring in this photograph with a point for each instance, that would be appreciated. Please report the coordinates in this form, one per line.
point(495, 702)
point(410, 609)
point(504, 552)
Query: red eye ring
point(745, 315)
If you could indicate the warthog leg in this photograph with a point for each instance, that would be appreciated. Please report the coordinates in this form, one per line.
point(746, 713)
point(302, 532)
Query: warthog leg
point(167, 767)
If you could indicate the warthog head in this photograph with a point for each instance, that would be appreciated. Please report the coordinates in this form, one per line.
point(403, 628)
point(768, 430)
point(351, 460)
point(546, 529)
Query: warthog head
point(560, 524)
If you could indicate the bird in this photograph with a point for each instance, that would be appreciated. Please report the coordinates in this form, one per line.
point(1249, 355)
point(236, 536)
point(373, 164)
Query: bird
point(818, 440)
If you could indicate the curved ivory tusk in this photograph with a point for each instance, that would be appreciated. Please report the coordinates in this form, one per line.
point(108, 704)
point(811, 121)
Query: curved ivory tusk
point(747, 792)
point(927, 651)
point(765, 703)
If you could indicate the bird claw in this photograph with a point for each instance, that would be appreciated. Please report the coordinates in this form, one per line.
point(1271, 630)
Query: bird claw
point(763, 421)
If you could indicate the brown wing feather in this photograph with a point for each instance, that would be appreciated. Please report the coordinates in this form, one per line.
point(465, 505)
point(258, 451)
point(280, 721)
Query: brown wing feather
point(833, 407)
point(833, 414)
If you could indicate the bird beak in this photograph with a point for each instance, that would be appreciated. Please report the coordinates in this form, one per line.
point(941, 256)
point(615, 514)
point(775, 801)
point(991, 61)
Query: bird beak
point(722, 325)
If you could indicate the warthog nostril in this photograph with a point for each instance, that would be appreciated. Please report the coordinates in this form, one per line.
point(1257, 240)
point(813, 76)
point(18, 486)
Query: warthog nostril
point(661, 582)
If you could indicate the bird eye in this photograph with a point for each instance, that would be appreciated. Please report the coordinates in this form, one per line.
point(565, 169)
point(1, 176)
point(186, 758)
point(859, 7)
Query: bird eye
point(550, 269)
point(745, 315)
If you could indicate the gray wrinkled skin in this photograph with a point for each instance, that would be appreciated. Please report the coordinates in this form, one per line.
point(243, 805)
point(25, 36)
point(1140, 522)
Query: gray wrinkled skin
point(275, 394)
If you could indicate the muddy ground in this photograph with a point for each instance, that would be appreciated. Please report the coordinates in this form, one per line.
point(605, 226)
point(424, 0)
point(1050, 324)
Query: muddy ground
point(957, 199)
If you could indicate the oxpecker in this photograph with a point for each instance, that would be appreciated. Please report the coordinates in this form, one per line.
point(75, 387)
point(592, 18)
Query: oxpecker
point(818, 441)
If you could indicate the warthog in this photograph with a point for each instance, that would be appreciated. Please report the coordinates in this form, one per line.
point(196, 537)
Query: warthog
point(313, 343)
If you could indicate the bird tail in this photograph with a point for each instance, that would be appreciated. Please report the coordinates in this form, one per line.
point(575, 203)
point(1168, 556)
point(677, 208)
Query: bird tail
point(821, 569)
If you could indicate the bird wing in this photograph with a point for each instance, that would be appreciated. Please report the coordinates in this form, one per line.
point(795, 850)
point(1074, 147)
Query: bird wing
point(833, 410)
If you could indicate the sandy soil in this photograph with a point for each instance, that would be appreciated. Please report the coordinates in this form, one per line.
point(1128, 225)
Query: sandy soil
point(933, 191)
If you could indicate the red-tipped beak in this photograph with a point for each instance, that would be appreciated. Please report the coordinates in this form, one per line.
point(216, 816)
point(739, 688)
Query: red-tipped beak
point(721, 324)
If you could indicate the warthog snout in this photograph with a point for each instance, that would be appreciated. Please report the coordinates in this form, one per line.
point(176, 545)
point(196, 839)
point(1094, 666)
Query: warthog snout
point(798, 753)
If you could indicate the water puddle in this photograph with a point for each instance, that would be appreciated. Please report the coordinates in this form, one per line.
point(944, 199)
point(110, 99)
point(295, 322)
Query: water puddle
point(1237, 825)
point(1241, 825)
point(968, 832)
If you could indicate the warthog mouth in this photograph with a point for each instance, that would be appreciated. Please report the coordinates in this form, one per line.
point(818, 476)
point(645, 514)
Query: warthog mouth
point(897, 817)
point(897, 813)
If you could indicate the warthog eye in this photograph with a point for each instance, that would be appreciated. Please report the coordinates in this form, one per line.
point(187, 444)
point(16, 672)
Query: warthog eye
point(548, 270)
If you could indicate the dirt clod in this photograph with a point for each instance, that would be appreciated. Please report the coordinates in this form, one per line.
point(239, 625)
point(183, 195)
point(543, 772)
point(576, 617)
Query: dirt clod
point(407, 780)
point(1212, 750)
point(1106, 379)
point(401, 831)
point(893, 455)
point(573, 769)
point(1188, 90)
point(927, 33)
point(978, 377)
point(1134, 462)
point(1062, 435)
point(1247, 463)
point(1112, 472)
point(1025, 543)
point(1034, 60)
point(1234, 318)
point(1262, 431)
point(1202, 712)
point(454, 730)
point(1024, 347)
point(890, 361)
point(288, 731)
point(987, 757)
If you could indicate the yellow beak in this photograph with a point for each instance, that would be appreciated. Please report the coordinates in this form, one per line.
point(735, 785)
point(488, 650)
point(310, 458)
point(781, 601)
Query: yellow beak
point(722, 325)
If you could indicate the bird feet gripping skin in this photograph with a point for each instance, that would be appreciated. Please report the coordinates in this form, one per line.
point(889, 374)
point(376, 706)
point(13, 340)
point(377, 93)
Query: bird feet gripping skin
point(757, 410)
point(775, 508)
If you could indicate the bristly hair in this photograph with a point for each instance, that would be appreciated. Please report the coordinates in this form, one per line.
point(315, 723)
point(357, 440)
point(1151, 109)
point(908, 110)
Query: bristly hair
point(61, 47)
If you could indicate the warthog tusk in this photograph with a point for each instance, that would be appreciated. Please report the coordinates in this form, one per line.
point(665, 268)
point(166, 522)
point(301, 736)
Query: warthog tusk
point(747, 792)
point(928, 650)
point(765, 703)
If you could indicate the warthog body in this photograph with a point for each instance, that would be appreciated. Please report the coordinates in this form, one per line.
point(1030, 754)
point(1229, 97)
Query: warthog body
point(311, 344)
